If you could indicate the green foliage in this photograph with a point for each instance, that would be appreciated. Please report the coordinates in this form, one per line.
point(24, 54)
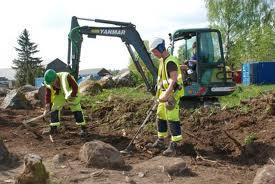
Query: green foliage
point(26, 65)
point(136, 75)
point(125, 92)
point(247, 28)
point(243, 93)
point(250, 139)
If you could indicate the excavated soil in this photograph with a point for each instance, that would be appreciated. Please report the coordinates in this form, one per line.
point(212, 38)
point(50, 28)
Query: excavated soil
point(213, 147)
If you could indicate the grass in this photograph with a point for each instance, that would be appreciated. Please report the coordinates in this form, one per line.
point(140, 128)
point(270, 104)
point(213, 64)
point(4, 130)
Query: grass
point(243, 93)
point(126, 93)
point(250, 139)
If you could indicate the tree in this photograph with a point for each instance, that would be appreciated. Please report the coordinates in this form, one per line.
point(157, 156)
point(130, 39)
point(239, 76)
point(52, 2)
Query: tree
point(244, 26)
point(226, 16)
point(136, 74)
point(26, 65)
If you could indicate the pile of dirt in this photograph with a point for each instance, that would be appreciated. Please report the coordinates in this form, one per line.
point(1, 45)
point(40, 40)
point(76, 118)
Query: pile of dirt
point(118, 113)
point(227, 132)
point(216, 132)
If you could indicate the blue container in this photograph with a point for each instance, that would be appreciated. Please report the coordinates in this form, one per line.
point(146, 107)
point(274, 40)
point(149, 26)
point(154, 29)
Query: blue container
point(266, 73)
point(246, 74)
point(258, 73)
point(38, 82)
point(254, 72)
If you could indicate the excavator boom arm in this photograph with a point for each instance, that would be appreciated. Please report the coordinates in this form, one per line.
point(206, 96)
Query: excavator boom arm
point(128, 34)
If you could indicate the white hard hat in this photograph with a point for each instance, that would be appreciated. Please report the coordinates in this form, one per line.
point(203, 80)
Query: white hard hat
point(156, 42)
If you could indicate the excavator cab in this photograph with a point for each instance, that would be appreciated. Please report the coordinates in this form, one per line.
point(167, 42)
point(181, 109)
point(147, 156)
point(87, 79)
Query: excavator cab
point(202, 61)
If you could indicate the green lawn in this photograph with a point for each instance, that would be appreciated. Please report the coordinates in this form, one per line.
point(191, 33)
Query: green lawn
point(241, 93)
point(125, 92)
point(244, 92)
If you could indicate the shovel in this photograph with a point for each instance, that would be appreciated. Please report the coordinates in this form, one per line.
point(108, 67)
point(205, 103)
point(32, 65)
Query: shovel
point(25, 123)
point(129, 148)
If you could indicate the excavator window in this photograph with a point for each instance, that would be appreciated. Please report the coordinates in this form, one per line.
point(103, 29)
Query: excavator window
point(209, 47)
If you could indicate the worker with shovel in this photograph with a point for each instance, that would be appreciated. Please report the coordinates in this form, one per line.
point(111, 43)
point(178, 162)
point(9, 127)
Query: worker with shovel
point(61, 89)
point(169, 92)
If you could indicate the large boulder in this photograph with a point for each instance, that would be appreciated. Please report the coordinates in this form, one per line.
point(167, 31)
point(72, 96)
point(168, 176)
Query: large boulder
point(15, 99)
point(100, 155)
point(106, 82)
point(4, 91)
point(4, 153)
point(90, 87)
point(34, 171)
point(265, 175)
point(41, 95)
point(27, 88)
point(33, 98)
point(172, 166)
point(124, 79)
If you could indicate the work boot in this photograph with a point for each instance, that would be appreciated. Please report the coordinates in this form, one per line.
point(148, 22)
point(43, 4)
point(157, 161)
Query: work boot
point(83, 131)
point(171, 150)
point(53, 130)
point(159, 144)
point(49, 131)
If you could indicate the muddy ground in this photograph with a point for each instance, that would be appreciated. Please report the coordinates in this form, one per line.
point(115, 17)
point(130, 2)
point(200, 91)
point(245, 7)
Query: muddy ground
point(213, 148)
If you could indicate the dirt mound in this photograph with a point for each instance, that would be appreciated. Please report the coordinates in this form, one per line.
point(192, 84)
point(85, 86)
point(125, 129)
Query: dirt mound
point(119, 113)
point(243, 133)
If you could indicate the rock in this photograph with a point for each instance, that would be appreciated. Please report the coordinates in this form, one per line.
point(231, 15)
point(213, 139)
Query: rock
point(15, 100)
point(41, 95)
point(4, 153)
point(106, 82)
point(124, 79)
point(129, 180)
point(168, 165)
point(27, 88)
point(90, 87)
point(32, 95)
point(265, 175)
point(33, 98)
point(101, 155)
point(141, 174)
point(177, 169)
point(34, 171)
point(4, 91)
point(59, 159)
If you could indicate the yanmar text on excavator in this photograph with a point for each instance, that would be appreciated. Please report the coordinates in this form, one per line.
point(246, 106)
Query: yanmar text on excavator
point(209, 78)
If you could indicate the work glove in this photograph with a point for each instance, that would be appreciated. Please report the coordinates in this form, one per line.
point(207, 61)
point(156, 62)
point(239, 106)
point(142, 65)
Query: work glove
point(170, 103)
point(47, 109)
point(163, 97)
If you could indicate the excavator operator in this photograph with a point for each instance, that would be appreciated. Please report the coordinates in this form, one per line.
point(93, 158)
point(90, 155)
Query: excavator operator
point(169, 90)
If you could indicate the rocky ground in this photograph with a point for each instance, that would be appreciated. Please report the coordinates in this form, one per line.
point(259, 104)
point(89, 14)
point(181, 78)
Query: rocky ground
point(220, 145)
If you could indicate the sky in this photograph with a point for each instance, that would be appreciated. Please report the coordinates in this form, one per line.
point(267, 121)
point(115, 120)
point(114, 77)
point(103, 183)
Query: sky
point(48, 23)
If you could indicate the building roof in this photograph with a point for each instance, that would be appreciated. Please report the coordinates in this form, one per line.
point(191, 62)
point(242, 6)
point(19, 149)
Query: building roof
point(92, 71)
point(58, 66)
